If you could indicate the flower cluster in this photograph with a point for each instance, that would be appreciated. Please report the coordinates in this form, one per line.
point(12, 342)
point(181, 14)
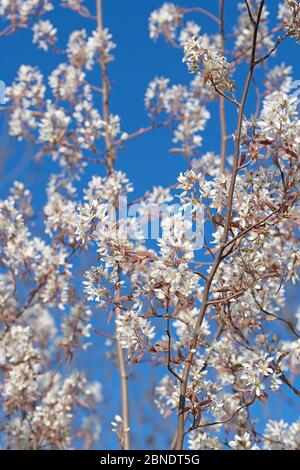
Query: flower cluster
point(83, 51)
point(279, 435)
point(289, 14)
point(23, 9)
point(44, 34)
point(71, 111)
point(279, 122)
point(183, 105)
point(165, 21)
point(133, 331)
point(201, 57)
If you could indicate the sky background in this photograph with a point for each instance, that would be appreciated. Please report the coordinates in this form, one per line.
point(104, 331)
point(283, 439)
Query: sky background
point(147, 160)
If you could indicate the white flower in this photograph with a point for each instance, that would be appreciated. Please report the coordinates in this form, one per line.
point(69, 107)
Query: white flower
point(155, 94)
point(242, 442)
point(88, 123)
point(44, 34)
point(65, 81)
point(28, 87)
point(200, 440)
point(289, 14)
point(201, 57)
point(191, 29)
point(164, 20)
point(279, 435)
point(83, 51)
point(54, 124)
point(99, 43)
point(134, 332)
point(23, 9)
point(279, 120)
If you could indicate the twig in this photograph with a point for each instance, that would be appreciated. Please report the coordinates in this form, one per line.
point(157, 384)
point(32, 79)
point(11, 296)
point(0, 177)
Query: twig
point(222, 99)
point(203, 11)
point(217, 423)
point(278, 42)
point(250, 12)
point(170, 368)
point(105, 91)
point(232, 100)
point(286, 322)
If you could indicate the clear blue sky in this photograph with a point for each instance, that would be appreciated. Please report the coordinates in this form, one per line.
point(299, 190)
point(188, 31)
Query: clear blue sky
point(147, 161)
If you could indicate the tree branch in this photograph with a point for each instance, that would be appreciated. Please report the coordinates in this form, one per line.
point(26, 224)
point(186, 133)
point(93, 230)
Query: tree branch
point(189, 360)
point(110, 160)
point(222, 99)
point(110, 153)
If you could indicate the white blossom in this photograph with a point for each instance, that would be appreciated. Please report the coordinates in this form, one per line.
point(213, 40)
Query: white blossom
point(243, 443)
point(289, 14)
point(203, 58)
point(44, 34)
point(164, 20)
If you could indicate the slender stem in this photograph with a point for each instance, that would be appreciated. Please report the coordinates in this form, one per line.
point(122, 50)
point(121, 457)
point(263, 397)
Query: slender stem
point(218, 258)
point(110, 153)
point(202, 11)
point(271, 33)
point(110, 160)
point(250, 12)
point(278, 42)
point(124, 386)
point(222, 99)
point(231, 100)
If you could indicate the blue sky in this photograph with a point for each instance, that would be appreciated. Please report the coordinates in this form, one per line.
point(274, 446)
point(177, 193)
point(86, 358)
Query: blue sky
point(147, 160)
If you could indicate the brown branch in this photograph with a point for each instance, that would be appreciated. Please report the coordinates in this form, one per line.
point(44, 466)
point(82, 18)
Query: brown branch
point(105, 91)
point(278, 42)
point(250, 12)
point(203, 11)
point(124, 388)
point(248, 229)
point(277, 317)
point(231, 100)
point(110, 160)
point(216, 423)
point(222, 99)
point(170, 368)
point(218, 259)
point(288, 383)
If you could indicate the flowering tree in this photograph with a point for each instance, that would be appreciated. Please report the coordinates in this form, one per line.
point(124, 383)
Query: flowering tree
point(211, 307)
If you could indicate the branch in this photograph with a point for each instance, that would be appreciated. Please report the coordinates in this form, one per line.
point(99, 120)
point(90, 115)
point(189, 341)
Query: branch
point(273, 315)
point(203, 11)
point(217, 423)
point(248, 229)
point(232, 100)
point(250, 12)
point(218, 259)
point(278, 42)
point(222, 99)
point(105, 91)
point(110, 160)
